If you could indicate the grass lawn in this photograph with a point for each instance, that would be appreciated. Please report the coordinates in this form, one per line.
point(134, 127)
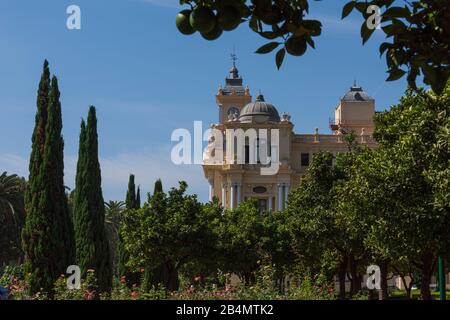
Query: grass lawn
point(415, 294)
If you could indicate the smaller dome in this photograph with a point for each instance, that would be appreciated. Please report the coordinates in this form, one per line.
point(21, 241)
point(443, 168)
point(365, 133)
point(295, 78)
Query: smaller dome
point(356, 93)
point(259, 111)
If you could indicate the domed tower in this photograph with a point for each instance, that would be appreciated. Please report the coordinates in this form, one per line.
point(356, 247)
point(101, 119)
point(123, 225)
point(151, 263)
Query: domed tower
point(259, 111)
point(233, 96)
point(354, 113)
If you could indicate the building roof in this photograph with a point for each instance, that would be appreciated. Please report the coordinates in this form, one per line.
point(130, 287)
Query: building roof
point(356, 93)
point(259, 108)
point(233, 83)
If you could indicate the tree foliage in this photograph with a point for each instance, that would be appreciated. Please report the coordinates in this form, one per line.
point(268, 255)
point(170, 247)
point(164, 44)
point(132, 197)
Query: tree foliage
point(89, 208)
point(47, 237)
point(170, 230)
point(419, 30)
point(12, 215)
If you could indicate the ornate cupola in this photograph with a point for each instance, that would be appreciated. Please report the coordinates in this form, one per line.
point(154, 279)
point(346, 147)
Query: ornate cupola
point(259, 111)
point(355, 112)
point(232, 97)
point(356, 93)
point(234, 82)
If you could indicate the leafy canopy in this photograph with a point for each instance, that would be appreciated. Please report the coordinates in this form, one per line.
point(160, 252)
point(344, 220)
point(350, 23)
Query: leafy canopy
point(419, 30)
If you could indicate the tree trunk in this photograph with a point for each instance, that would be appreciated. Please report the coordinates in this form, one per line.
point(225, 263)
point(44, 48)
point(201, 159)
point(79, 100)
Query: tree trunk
point(341, 276)
point(408, 292)
point(427, 269)
point(383, 293)
point(407, 286)
point(247, 278)
point(172, 278)
point(356, 278)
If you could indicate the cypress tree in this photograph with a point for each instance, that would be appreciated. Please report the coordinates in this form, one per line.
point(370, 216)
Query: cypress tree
point(46, 237)
point(53, 172)
point(158, 186)
point(138, 198)
point(34, 244)
point(130, 200)
point(89, 209)
point(38, 138)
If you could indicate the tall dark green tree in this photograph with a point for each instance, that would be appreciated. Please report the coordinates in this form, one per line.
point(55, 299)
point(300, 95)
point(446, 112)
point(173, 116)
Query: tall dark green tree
point(158, 186)
point(47, 237)
point(53, 171)
point(138, 198)
point(130, 200)
point(89, 209)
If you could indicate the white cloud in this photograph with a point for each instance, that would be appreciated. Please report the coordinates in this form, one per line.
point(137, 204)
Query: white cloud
point(147, 167)
point(14, 164)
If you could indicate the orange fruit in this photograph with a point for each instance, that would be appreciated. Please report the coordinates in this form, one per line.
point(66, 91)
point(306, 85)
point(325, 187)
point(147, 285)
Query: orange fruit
point(182, 22)
point(296, 46)
point(202, 19)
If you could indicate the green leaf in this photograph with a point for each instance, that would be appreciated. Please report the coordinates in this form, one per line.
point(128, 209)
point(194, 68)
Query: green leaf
point(304, 5)
point(384, 46)
point(388, 3)
point(348, 8)
point(279, 58)
point(253, 23)
point(268, 35)
point(361, 7)
point(395, 74)
point(389, 30)
point(429, 74)
point(396, 12)
point(314, 27)
point(268, 47)
point(310, 41)
point(366, 32)
point(412, 75)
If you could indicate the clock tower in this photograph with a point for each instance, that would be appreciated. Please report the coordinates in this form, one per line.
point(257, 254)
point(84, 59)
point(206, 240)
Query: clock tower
point(233, 96)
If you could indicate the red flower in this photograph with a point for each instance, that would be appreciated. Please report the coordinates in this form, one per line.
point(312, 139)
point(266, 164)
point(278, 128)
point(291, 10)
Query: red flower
point(89, 295)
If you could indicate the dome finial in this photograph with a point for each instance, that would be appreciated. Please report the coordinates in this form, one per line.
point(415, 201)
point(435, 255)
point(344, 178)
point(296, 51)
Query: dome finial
point(260, 96)
point(234, 73)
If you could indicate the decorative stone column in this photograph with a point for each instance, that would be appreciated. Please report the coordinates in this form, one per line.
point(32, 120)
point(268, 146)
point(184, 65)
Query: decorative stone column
point(211, 188)
point(224, 195)
point(239, 193)
point(286, 193)
point(270, 203)
point(232, 195)
point(280, 197)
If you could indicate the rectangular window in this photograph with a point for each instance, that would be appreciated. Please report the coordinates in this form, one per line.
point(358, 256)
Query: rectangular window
point(305, 159)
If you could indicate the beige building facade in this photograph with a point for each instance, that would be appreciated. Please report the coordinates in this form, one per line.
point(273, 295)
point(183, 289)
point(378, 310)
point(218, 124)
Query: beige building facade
point(232, 181)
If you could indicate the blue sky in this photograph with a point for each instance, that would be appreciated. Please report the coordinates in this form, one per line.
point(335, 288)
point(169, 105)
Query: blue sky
point(146, 80)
